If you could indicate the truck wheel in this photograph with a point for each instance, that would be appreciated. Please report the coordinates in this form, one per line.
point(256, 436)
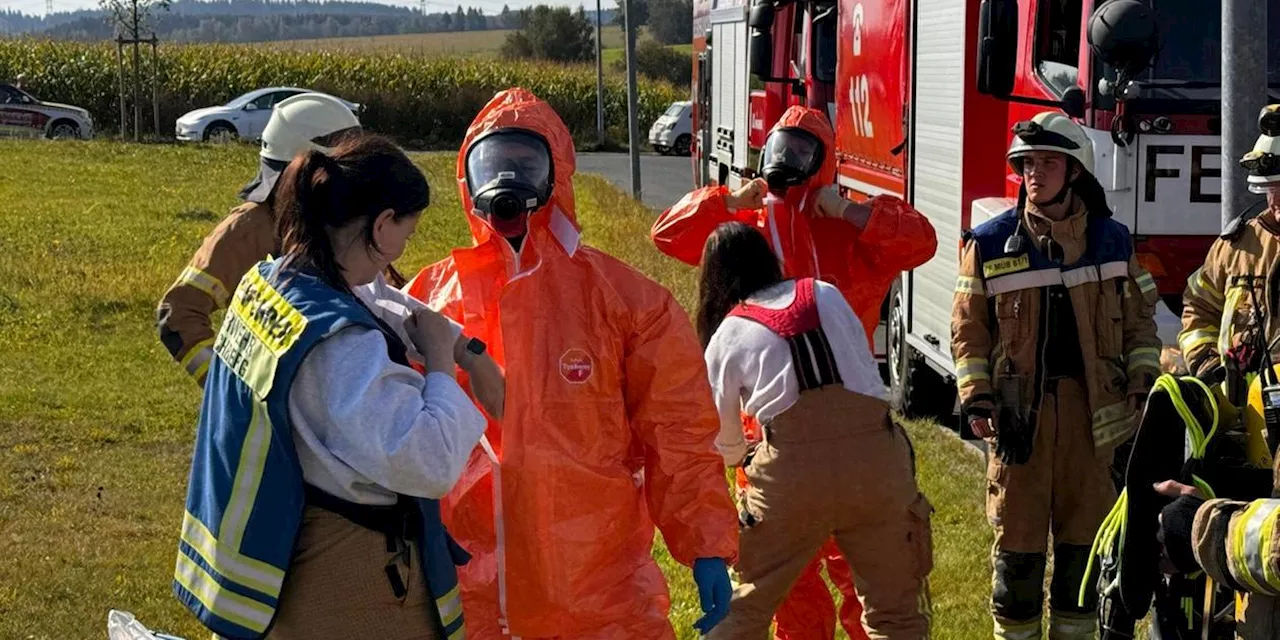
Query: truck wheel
point(681, 147)
point(915, 389)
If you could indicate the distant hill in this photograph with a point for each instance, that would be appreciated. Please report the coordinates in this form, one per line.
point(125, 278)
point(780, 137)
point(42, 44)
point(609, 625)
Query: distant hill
point(267, 20)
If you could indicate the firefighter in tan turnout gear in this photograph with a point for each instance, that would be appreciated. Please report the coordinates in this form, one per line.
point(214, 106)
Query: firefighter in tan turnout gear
point(248, 233)
point(1054, 339)
point(1219, 302)
point(1227, 319)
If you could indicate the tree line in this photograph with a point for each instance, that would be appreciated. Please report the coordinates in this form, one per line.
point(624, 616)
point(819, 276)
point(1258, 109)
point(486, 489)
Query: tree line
point(563, 35)
point(264, 28)
point(267, 20)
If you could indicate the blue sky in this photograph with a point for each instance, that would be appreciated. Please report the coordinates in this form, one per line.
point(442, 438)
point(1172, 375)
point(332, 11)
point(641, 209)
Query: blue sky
point(36, 7)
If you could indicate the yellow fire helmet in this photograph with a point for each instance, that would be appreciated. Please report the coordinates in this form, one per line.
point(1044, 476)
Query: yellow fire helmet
point(1256, 425)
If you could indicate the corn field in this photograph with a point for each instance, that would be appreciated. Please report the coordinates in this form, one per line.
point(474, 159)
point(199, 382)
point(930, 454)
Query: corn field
point(423, 101)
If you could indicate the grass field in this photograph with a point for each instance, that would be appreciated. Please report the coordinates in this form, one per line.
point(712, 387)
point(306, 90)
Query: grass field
point(469, 43)
point(96, 421)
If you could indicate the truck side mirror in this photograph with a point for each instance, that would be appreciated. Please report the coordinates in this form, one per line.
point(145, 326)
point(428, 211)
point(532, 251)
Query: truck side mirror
point(997, 47)
point(1073, 102)
point(1124, 34)
point(761, 40)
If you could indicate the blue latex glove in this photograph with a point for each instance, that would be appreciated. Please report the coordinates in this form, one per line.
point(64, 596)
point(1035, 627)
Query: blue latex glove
point(714, 591)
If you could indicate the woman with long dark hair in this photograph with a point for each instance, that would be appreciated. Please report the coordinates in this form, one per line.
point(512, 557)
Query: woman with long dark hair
point(311, 509)
point(791, 356)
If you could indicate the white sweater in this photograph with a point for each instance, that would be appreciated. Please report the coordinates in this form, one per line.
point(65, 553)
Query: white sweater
point(366, 428)
point(750, 367)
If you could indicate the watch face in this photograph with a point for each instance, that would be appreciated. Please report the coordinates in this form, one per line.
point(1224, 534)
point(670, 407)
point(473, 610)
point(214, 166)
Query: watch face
point(476, 346)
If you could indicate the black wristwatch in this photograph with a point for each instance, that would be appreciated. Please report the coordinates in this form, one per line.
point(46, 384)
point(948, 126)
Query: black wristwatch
point(476, 346)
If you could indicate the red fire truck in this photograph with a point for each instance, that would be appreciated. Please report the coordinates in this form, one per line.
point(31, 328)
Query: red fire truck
point(922, 111)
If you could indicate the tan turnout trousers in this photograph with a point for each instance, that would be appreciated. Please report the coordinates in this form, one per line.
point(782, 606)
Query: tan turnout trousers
point(337, 586)
point(1064, 490)
point(834, 465)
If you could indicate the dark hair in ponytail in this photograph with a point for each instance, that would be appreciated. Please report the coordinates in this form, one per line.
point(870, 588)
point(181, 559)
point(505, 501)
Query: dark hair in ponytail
point(318, 193)
point(737, 261)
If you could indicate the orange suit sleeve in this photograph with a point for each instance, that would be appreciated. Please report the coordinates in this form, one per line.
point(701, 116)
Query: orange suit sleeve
point(898, 236)
point(682, 230)
point(669, 406)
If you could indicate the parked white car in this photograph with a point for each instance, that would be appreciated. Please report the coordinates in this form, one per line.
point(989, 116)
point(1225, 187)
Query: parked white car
point(21, 114)
point(672, 132)
point(243, 118)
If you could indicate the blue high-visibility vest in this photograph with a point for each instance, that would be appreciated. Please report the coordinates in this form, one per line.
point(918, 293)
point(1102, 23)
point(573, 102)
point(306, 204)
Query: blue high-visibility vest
point(246, 495)
point(1106, 256)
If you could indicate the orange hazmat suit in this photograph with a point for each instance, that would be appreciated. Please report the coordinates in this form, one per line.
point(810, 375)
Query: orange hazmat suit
point(609, 426)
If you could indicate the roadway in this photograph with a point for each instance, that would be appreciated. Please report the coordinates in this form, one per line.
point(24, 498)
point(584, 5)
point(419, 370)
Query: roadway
point(663, 179)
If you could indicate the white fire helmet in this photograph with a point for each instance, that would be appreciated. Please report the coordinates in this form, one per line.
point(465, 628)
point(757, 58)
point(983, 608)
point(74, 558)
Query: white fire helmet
point(1050, 131)
point(304, 122)
point(1263, 162)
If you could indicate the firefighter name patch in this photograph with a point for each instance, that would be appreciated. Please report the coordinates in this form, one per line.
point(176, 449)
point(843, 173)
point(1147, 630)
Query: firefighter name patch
point(1001, 266)
point(576, 366)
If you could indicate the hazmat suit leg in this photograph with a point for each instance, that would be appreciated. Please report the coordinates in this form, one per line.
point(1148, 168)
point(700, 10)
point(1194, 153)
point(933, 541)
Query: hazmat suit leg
point(841, 575)
point(1064, 489)
point(809, 612)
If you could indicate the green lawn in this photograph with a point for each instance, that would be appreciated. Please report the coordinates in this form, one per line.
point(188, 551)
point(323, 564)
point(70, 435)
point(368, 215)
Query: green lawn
point(96, 421)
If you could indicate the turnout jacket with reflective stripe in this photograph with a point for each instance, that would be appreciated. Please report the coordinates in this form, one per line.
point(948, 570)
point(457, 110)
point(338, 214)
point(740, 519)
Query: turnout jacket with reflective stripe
point(1220, 296)
point(998, 329)
point(245, 236)
point(1238, 545)
point(245, 494)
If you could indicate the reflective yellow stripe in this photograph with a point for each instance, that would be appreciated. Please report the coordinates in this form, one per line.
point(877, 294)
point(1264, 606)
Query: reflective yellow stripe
point(1198, 285)
point(1189, 340)
point(1066, 625)
point(449, 606)
point(200, 373)
point(1244, 545)
point(924, 602)
point(1111, 424)
point(244, 491)
point(1265, 550)
point(211, 286)
point(1145, 282)
point(229, 563)
point(1228, 317)
point(223, 603)
point(459, 634)
point(1025, 280)
point(1144, 357)
point(968, 285)
point(1018, 631)
point(196, 362)
point(969, 370)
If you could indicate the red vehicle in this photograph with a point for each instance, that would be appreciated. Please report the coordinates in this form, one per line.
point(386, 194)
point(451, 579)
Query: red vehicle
point(921, 111)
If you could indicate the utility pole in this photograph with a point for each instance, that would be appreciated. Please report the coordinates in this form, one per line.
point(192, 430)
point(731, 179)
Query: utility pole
point(633, 110)
point(599, 82)
point(1244, 93)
